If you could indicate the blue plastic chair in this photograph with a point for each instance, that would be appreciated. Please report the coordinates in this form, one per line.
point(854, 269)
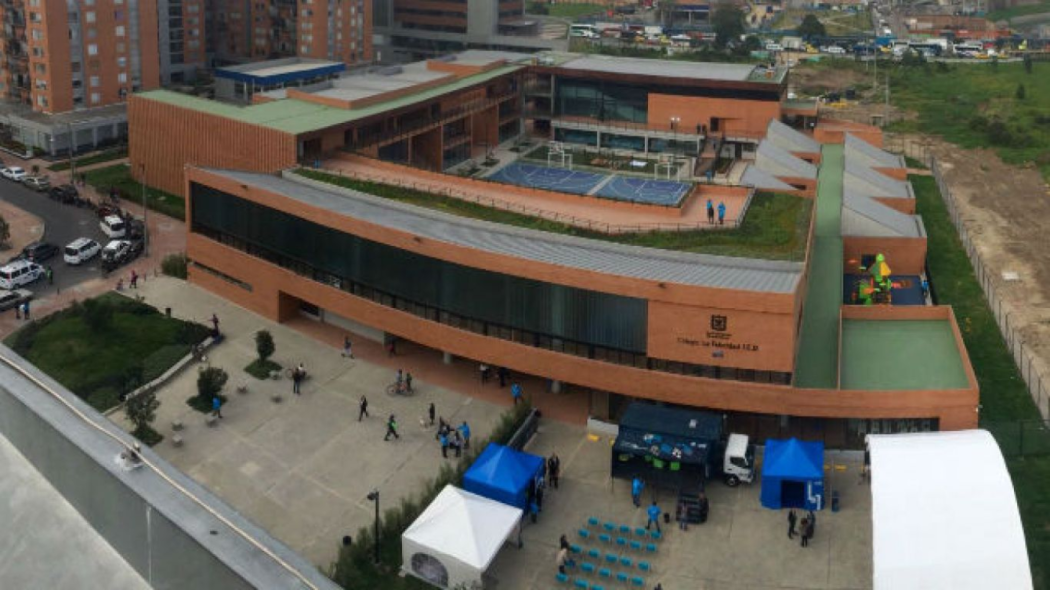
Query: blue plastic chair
point(611, 557)
point(644, 566)
point(640, 532)
point(621, 577)
point(656, 535)
point(597, 587)
point(592, 521)
point(561, 578)
point(625, 530)
point(605, 538)
point(575, 548)
point(636, 545)
point(605, 572)
point(621, 541)
point(651, 547)
point(626, 561)
point(609, 527)
point(587, 567)
point(637, 581)
point(581, 583)
point(594, 553)
point(584, 533)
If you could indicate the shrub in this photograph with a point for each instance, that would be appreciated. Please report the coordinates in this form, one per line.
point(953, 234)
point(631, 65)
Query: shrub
point(999, 133)
point(261, 369)
point(209, 383)
point(264, 345)
point(174, 265)
point(141, 410)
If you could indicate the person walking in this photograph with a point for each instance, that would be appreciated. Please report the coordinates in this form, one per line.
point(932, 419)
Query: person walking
point(539, 492)
point(431, 412)
point(457, 443)
point(464, 429)
point(134, 279)
point(563, 542)
point(710, 212)
point(563, 558)
point(391, 347)
point(721, 213)
point(348, 350)
point(362, 408)
point(515, 393)
point(502, 373)
point(50, 276)
point(18, 311)
point(636, 492)
point(214, 325)
point(554, 469)
point(298, 374)
point(25, 311)
point(408, 385)
point(444, 444)
point(484, 370)
point(391, 428)
point(216, 407)
point(804, 531)
point(398, 380)
point(811, 529)
point(654, 516)
point(792, 519)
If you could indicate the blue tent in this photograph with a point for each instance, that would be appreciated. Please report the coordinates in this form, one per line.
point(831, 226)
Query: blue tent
point(503, 474)
point(793, 474)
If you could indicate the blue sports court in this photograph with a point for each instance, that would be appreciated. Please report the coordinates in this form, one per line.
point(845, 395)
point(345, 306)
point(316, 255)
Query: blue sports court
point(621, 188)
point(555, 179)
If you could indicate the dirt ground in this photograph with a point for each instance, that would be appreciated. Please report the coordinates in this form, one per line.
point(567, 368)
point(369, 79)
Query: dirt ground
point(1006, 210)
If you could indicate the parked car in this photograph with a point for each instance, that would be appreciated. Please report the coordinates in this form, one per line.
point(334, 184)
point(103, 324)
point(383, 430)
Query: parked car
point(19, 272)
point(835, 50)
point(120, 252)
point(80, 251)
point(65, 193)
point(15, 173)
point(38, 251)
point(37, 183)
point(113, 226)
point(12, 298)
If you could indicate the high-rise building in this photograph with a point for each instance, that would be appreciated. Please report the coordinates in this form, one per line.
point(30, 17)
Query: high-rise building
point(181, 27)
point(338, 30)
point(60, 56)
point(249, 30)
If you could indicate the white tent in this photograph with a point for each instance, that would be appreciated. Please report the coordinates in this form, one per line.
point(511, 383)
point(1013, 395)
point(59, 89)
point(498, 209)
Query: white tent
point(944, 514)
point(455, 539)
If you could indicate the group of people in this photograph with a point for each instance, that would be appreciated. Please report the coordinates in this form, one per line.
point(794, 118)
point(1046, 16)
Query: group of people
point(455, 438)
point(403, 382)
point(550, 473)
point(22, 311)
point(711, 212)
point(502, 374)
point(806, 528)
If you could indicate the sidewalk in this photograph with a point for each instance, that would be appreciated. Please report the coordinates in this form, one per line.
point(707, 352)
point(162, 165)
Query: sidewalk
point(25, 229)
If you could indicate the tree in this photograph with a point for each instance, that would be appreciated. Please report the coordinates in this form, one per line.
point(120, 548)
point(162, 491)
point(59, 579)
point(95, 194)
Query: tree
point(728, 22)
point(1020, 94)
point(141, 410)
point(210, 382)
point(264, 345)
point(812, 27)
point(5, 231)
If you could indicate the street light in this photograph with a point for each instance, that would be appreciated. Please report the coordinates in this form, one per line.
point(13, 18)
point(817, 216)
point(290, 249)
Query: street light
point(374, 496)
point(145, 211)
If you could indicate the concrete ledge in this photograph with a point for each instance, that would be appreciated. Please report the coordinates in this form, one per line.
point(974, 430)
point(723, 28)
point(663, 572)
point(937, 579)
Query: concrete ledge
point(164, 377)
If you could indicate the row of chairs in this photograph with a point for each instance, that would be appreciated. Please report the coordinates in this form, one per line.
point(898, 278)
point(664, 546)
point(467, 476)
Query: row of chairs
point(621, 541)
point(612, 558)
point(624, 529)
point(621, 577)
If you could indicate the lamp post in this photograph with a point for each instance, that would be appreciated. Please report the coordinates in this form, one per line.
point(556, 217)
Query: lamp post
point(145, 211)
point(374, 496)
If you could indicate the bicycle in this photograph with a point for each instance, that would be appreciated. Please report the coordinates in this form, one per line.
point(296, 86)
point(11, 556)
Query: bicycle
point(399, 388)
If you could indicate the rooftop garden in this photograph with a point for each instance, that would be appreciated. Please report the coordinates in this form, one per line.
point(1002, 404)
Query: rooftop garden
point(775, 228)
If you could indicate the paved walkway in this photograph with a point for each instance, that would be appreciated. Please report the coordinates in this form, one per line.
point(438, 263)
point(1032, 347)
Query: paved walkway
point(24, 226)
point(817, 363)
point(581, 211)
point(302, 468)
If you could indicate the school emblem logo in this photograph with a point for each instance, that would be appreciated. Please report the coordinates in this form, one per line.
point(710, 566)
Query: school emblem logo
point(719, 323)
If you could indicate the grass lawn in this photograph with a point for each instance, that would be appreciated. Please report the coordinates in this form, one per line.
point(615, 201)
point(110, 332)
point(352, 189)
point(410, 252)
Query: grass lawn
point(1004, 399)
point(775, 228)
point(975, 105)
point(102, 362)
point(261, 369)
point(119, 176)
point(846, 23)
point(106, 156)
point(1008, 13)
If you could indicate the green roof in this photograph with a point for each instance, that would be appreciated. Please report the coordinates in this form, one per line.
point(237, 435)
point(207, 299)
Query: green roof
point(901, 354)
point(298, 116)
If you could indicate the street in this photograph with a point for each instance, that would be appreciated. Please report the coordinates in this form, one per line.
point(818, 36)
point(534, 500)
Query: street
point(62, 225)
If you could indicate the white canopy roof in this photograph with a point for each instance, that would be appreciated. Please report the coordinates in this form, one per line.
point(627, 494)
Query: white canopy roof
point(944, 514)
point(460, 531)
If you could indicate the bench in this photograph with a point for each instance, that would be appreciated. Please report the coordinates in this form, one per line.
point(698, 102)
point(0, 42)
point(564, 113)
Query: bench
point(211, 419)
point(176, 425)
point(176, 441)
point(242, 388)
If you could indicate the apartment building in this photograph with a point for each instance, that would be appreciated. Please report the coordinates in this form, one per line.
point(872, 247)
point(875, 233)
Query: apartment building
point(337, 30)
point(241, 31)
point(182, 47)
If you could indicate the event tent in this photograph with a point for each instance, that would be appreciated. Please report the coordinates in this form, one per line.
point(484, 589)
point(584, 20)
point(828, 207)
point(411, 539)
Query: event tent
point(944, 514)
point(793, 474)
point(455, 539)
point(503, 474)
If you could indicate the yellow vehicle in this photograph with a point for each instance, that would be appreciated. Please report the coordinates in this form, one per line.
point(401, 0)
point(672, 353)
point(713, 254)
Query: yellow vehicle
point(811, 49)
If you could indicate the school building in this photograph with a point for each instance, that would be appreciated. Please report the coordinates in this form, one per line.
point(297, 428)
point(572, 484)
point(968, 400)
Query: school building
point(769, 341)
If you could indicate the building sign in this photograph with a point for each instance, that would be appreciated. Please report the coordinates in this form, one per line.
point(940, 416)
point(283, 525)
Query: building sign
point(718, 338)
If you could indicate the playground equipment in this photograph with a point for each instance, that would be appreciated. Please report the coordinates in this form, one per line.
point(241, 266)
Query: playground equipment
point(877, 286)
point(668, 166)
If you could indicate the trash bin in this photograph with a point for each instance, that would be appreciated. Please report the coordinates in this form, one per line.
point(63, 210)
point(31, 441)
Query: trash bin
point(835, 501)
point(167, 311)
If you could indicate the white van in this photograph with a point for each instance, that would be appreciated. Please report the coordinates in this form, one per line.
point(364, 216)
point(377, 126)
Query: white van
point(584, 31)
point(774, 47)
point(113, 226)
point(18, 273)
point(81, 250)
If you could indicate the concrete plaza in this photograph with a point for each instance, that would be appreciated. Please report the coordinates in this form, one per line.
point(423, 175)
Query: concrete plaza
point(302, 468)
